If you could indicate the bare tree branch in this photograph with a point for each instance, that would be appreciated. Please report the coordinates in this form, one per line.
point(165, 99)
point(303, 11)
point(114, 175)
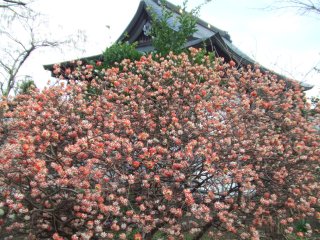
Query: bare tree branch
point(303, 7)
point(16, 50)
point(21, 33)
point(9, 4)
point(26, 49)
point(11, 9)
point(15, 2)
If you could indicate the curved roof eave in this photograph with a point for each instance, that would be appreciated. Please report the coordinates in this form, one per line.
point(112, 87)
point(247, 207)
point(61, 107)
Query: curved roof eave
point(134, 20)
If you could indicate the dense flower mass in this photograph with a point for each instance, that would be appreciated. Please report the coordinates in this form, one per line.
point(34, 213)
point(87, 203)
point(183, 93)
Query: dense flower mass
point(161, 148)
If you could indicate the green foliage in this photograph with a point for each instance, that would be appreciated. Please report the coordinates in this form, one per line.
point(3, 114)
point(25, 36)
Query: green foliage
point(119, 51)
point(25, 87)
point(92, 92)
point(315, 100)
point(164, 37)
point(313, 111)
point(199, 58)
point(301, 226)
point(131, 234)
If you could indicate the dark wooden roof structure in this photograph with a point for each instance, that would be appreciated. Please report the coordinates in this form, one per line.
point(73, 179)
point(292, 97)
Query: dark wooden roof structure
point(213, 38)
point(207, 35)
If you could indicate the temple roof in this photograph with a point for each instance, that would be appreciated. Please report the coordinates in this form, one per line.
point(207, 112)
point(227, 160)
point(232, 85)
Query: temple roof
point(206, 34)
point(215, 38)
point(204, 29)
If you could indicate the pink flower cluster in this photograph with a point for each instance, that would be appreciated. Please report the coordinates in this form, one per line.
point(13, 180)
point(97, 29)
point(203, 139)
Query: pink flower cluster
point(160, 146)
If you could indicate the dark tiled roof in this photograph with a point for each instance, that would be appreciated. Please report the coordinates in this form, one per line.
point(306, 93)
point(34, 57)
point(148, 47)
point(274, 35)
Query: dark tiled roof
point(204, 29)
point(214, 38)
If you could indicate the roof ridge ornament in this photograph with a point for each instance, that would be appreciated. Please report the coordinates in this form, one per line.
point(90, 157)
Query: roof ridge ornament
point(147, 28)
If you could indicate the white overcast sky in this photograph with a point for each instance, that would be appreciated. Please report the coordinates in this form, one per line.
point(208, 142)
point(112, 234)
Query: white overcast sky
point(282, 40)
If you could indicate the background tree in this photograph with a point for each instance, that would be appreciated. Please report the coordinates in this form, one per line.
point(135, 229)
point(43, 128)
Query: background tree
point(21, 33)
point(304, 7)
point(26, 87)
point(14, 8)
point(309, 8)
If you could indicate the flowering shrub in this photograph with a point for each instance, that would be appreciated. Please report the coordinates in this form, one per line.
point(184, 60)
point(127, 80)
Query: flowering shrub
point(168, 149)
